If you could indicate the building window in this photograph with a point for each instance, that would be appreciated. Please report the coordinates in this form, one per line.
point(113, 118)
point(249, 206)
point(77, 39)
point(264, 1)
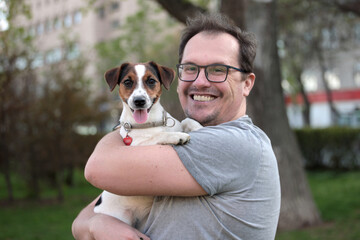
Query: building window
point(332, 80)
point(77, 17)
point(73, 52)
point(357, 32)
point(115, 24)
point(38, 61)
point(329, 38)
point(68, 20)
point(32, 31)
point(21, 63)
point(310, 82)
point(48, 26)
point(115, 6)
point(101, 12)
point(57, 23)
point(357, 74)
point(53, 56)
point(40, 29)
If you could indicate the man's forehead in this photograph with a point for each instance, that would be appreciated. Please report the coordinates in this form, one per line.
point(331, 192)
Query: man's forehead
point(209, 48)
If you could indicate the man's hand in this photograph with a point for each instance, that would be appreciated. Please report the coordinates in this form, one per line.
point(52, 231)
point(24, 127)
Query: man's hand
point(91, 226)
point(104, 227)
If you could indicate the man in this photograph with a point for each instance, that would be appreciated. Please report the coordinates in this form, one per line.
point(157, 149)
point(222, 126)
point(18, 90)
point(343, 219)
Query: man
point(224, 183)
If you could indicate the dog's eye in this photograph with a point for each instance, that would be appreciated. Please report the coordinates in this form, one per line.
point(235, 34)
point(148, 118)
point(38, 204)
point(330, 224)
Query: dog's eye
point(151, 82)
point(128, 83)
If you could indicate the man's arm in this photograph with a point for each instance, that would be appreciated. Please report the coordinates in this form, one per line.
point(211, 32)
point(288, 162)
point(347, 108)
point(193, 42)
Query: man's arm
point(139, 170)
point(91, 226)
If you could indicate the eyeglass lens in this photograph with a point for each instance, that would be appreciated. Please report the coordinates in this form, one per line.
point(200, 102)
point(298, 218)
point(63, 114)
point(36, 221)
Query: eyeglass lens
point(215, 73)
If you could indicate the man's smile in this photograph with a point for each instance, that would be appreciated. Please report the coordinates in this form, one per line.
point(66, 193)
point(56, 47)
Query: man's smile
point(202, 98)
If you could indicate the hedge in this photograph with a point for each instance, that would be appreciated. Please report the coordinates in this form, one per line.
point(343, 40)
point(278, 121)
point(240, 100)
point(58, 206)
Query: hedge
point(330, 148)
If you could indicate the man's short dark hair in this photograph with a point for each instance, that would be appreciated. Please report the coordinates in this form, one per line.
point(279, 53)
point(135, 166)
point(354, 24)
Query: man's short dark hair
point(218, 23)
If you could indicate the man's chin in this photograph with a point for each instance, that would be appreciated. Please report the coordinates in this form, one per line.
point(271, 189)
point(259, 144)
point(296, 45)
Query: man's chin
point(203, 119)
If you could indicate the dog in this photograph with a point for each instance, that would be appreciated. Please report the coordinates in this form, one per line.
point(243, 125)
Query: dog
point(143, 121)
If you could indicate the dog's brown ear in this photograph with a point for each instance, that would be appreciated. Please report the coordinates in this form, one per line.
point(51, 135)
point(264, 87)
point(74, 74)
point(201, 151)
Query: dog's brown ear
point(113, 75)
point(166, 74)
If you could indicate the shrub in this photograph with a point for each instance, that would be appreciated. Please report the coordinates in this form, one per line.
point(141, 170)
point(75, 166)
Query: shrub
point(331, 148)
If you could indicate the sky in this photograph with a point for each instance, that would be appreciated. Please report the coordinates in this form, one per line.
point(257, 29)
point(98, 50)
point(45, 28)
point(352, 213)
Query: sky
point(3, 23)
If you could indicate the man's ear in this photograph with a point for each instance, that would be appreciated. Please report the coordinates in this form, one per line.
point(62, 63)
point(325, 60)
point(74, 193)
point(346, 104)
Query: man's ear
point(249, 83)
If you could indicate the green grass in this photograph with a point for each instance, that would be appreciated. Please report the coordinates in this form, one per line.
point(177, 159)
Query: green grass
point(47, 219)
point(337, 196)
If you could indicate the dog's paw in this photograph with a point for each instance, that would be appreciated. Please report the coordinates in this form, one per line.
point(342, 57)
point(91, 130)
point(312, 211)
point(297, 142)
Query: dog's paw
point(177, 138)
point(189, 125)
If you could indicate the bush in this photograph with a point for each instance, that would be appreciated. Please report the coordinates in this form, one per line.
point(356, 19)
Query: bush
point(330, 148)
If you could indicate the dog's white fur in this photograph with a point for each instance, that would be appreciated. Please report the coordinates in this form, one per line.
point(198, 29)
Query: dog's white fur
point(130, 209)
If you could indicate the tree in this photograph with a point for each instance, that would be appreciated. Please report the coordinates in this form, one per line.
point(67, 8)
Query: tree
point(40, 110)
point(266, 105)
point(312, 33)
point(15, 56)
point(298, 208)
point(351, 6)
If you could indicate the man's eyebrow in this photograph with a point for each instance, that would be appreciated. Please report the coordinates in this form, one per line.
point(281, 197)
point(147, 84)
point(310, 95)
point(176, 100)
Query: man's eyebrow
point(190, 62)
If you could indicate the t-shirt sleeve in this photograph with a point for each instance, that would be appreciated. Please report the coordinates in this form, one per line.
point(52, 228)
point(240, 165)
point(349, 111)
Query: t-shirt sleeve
point(222, 159)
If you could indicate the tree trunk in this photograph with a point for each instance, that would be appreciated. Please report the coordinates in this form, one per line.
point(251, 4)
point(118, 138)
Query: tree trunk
point(6, 171)
point(306, 108)
point(4, 157)
point(235, 9)
point(267, 109)
point(333, 111)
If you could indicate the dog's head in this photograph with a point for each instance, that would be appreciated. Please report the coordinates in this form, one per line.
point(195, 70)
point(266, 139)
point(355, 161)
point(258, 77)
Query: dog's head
point(140, 85)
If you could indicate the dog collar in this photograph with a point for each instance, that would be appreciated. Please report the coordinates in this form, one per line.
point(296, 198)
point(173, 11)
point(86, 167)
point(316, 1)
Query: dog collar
point(165, 122)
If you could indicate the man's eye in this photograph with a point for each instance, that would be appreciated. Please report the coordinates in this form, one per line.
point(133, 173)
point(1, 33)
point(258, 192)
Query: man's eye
point(128, 83)
point(190, 69)
point(217, 70)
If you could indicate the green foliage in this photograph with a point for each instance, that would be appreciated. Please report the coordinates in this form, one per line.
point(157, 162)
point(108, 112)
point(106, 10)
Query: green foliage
point(48, 126)
point(302, 24)
point(40, 111)
point(334, 147)
point(336, 195)
point(143, 38)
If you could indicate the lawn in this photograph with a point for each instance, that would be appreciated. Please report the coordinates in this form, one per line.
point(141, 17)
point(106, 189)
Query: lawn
point(336, 194)
point(48, 219)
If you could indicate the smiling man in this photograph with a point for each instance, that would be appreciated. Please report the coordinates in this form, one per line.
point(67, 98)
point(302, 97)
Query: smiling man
point(224, 183)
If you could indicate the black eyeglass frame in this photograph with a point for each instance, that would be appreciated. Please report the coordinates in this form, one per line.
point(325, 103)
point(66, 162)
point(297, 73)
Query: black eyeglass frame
point(206, 73)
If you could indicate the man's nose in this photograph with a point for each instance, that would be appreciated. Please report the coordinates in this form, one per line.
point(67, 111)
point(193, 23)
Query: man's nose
point(201, 79)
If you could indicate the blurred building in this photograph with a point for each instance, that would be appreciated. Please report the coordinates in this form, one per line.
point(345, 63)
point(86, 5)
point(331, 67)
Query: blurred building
point(55, 21)
point(86, 25)
point(342, 73)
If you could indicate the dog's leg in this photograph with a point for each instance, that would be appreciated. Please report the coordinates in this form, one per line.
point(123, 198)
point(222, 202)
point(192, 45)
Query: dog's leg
point(189, 124)
point(166, 138)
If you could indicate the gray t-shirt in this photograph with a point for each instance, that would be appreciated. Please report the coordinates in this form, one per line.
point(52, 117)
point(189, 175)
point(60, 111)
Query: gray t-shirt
point(235, 164)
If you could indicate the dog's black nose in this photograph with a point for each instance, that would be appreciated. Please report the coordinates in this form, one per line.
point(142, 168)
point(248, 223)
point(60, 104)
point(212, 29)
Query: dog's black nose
point(139, 102)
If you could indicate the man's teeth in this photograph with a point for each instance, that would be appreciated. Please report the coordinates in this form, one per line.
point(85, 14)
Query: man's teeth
point(203, 98)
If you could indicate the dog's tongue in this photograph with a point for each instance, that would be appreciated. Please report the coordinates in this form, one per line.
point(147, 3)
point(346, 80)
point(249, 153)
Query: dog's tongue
point(140, 116)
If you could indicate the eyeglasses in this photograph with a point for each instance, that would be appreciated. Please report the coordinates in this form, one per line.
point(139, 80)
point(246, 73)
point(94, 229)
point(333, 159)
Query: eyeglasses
point(189, 72)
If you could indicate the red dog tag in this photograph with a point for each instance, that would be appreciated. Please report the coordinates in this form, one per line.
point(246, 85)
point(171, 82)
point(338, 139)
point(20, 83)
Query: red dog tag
point(127, 140)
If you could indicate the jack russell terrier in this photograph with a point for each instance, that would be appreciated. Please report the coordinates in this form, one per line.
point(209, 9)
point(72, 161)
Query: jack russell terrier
point(143, 121)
